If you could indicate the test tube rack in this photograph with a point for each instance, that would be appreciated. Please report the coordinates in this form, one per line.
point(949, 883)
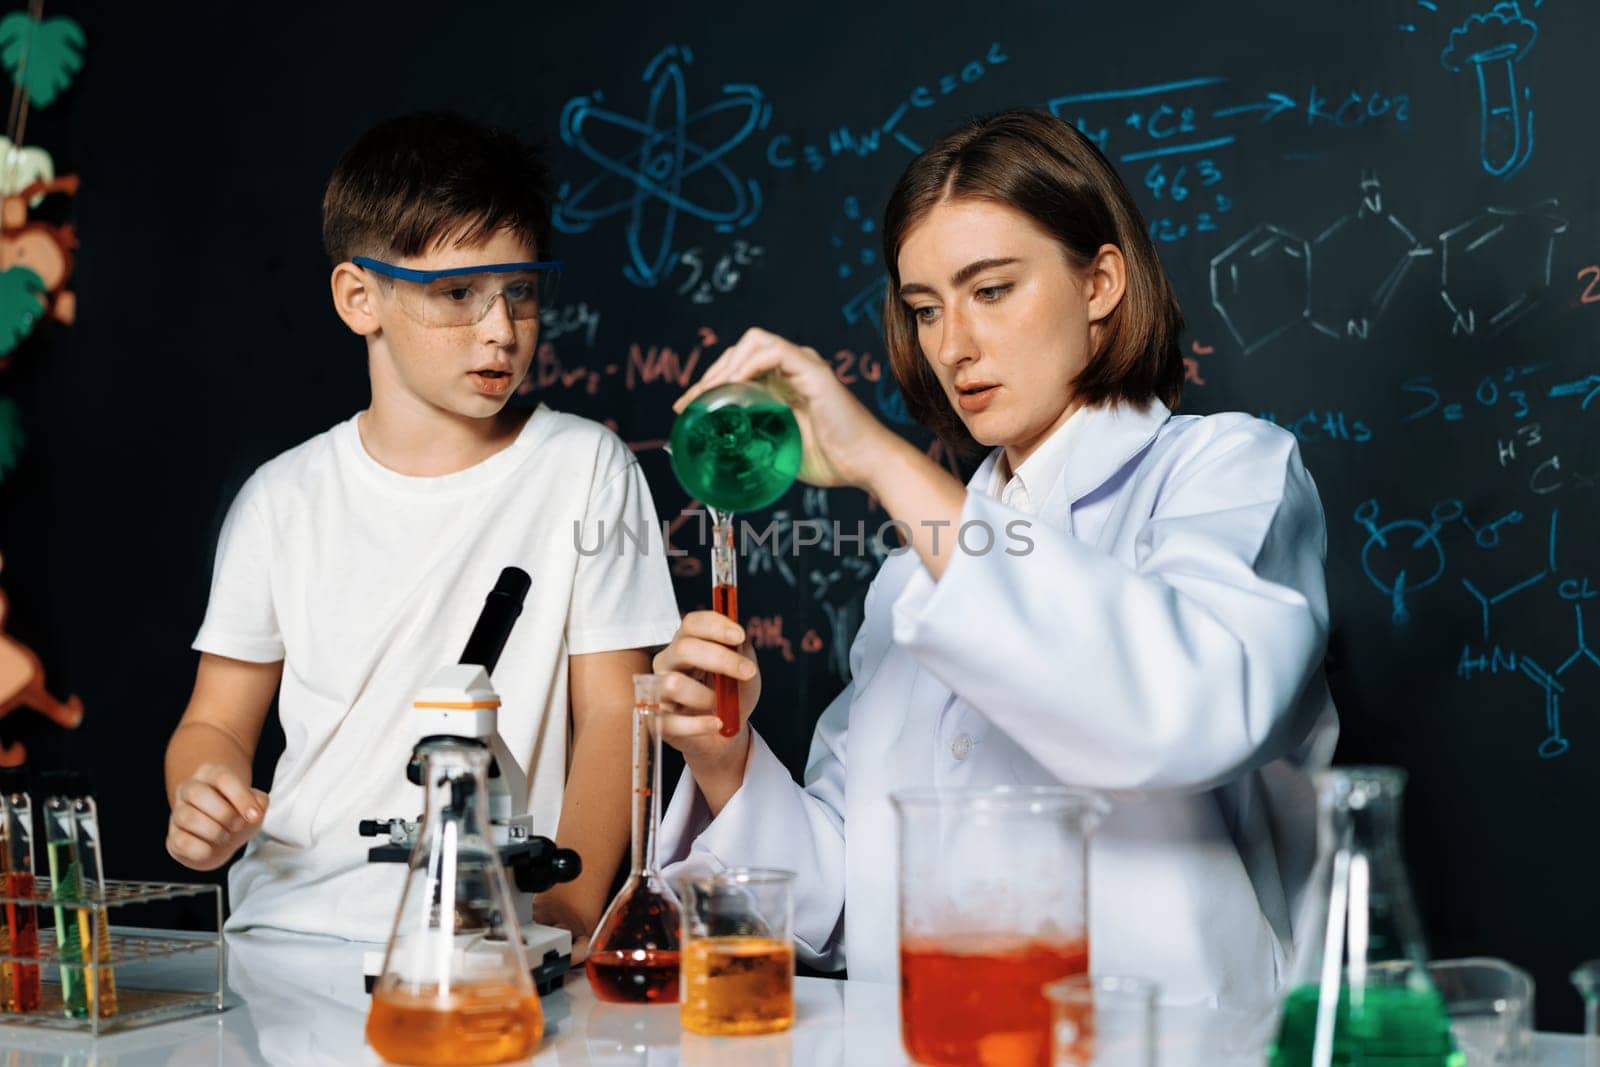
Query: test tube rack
point(149, 987)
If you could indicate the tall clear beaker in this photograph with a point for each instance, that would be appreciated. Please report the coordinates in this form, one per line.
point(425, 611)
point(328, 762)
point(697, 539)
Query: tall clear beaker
point(993, 905)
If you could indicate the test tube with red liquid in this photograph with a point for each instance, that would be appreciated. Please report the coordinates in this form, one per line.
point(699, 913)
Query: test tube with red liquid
point(725, 602)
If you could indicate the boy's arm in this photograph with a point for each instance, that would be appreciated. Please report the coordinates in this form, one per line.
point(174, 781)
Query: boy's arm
point(595, 806)
point(214, 808)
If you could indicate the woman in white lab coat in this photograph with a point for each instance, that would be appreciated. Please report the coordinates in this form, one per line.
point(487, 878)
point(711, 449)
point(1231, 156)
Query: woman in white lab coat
point(1149, 619)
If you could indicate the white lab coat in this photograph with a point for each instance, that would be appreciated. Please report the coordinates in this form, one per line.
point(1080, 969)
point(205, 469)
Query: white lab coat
point(1162, 641)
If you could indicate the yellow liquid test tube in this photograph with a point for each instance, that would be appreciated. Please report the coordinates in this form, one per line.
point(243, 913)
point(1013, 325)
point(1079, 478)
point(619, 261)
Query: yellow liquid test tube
point(8, 995)
point(94, 928)
point(94, 935)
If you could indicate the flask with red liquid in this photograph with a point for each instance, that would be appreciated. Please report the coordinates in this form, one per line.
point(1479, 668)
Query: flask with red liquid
point(633, 958)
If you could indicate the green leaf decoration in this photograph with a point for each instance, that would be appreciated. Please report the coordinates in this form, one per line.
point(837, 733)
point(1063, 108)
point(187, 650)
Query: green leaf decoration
point(10, 436)
point(43, 56)
point(21, 306)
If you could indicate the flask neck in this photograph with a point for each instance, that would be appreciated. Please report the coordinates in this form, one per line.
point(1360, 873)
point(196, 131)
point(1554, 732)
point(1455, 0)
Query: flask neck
point(1371, 914)
point(1372, 828)
point(646, 786)
point(455, 789)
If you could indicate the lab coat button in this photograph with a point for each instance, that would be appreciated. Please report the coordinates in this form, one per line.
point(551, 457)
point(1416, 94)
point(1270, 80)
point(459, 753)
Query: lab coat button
point(961, 747)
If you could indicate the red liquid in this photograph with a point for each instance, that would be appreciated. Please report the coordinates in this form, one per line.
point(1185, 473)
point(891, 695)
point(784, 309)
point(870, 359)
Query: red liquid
point(725, 601)
point(22, 924)
point(979, 1003)
point(635, 976)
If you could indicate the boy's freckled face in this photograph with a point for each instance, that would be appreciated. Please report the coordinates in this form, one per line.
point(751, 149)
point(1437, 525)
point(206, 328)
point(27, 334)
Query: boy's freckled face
point(467, 370)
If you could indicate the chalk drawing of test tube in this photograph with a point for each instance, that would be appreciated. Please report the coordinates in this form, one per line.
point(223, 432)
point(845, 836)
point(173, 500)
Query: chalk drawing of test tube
point(1492, 43)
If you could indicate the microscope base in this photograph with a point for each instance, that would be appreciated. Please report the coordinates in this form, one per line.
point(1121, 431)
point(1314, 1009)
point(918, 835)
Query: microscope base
point(549, 951)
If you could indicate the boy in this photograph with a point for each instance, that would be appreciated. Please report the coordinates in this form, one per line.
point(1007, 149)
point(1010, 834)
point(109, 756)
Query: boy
point(352, 567)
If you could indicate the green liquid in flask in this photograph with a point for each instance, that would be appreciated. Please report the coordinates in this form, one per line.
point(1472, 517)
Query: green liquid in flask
point(735, 455)
point(1394, 1028)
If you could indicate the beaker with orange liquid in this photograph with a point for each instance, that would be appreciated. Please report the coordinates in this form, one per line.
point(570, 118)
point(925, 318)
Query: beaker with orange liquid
point(737, 967)
point(455, 988)
point(993, 905)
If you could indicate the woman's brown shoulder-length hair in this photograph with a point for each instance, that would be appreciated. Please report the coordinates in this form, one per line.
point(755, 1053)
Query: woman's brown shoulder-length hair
point(1049, 171)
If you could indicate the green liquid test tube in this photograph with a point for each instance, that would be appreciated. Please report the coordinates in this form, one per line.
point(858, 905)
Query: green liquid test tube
point(66, 884)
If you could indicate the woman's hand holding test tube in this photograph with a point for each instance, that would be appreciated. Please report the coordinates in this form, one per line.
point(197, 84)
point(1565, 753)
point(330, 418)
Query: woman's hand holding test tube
point(707, 644)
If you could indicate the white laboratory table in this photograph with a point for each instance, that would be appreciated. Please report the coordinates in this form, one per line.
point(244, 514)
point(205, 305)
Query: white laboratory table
point(298, 1001)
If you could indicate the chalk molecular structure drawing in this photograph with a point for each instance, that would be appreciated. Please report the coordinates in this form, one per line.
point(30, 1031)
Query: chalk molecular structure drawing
point(1402, 557)
point(670, 162)
point(1493, 269)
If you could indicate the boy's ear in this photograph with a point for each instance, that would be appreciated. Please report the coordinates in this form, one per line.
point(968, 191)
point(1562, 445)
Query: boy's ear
point(354, 299)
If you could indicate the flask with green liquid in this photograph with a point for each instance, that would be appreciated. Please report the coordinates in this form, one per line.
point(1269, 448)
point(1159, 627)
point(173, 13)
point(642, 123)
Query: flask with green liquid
point(736, 447)
point(1359, 991)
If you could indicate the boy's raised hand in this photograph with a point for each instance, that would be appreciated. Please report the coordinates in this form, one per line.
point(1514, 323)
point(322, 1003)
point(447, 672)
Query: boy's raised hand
point(214, 811)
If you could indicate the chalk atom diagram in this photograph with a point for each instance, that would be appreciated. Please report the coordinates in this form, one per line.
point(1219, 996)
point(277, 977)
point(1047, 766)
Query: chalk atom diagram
point(670, 162)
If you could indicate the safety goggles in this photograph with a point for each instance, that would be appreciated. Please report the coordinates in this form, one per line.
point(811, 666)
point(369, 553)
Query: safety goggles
point(462, 296)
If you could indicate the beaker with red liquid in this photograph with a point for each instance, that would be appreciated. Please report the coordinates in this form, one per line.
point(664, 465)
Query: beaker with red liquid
point(993, 905)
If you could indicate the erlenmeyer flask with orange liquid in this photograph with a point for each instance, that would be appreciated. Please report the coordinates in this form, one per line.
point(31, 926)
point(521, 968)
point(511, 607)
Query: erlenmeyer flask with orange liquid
point(634, 956)
point(455, 988)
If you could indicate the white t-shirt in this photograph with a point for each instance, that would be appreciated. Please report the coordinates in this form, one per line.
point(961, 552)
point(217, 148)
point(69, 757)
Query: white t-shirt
point(365, 582)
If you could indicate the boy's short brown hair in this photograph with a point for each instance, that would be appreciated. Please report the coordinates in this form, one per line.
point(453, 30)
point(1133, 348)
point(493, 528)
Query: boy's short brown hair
point(1049, 171)
point(410, 182)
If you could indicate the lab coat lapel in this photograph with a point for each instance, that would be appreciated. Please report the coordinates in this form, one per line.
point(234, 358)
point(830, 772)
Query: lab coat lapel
point(1112, 436)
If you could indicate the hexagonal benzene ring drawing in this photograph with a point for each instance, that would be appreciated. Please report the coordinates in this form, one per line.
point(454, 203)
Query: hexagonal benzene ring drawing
point(1261, 285)
point(1495, 267)
point(1360, 259)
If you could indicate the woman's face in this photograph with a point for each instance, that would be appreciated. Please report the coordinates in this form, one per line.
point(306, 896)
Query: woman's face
point(1005, 321)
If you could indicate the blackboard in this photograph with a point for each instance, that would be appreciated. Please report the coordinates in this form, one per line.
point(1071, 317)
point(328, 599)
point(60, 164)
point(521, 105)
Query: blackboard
point(1380, 218)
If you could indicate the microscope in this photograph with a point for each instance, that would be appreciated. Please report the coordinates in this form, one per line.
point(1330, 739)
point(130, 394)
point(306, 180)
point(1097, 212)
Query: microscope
point(460, 702)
